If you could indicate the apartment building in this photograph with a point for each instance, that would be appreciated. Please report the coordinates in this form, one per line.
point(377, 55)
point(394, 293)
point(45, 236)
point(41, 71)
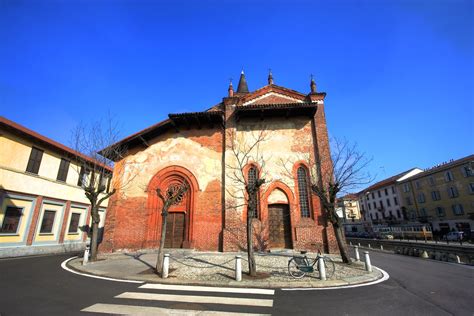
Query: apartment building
point(380, 203)
point(442, 196)
point(43, 208)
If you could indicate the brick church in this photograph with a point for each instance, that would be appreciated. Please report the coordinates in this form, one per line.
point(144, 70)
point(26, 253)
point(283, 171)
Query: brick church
point(208, 150)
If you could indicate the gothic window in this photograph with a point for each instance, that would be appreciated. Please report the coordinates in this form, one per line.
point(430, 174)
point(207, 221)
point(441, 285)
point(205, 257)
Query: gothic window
point(303, 192)
point(252, 179)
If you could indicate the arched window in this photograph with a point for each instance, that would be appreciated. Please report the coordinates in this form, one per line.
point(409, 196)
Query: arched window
point(252, 178)
point(303, 192)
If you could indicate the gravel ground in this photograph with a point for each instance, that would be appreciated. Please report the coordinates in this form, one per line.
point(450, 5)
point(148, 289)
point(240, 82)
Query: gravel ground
point(273, 267)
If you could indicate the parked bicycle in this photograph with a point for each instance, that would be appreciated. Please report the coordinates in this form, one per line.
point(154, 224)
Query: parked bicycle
point(298, 266)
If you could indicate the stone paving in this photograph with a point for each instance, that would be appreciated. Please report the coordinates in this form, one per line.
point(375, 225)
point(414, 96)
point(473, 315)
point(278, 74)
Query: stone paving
point(217, 269)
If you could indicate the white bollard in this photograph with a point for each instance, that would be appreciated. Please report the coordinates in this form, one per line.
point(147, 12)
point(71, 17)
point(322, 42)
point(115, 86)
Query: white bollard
point(358, 244)
point(356, 249)
point(322, 268)
point(369, 246)
point(166, 266)
point(350, 243)
point(238, 268)
point(85, 259)
point(381, 247)
point(458, 259)
point(368, 265)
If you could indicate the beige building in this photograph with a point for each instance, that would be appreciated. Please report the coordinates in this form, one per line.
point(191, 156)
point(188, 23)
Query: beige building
point(43, 209)
point(349, 206)
point(442, 196)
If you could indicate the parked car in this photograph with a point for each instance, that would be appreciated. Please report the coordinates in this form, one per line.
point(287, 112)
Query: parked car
point(453, 236)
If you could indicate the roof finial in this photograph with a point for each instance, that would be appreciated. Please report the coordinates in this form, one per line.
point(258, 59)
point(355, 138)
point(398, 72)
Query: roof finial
point(231, 89)
point(270, 76)
point(313, 84)
point(242, 87)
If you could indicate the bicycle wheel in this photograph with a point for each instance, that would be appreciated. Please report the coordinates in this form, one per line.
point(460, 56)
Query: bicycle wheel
point(293, 269)
point(329, 266)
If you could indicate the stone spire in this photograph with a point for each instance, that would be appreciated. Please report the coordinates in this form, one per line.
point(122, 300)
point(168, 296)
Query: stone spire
point(231, 89)
point(242, 87)
point(270, 76)
point(313, 85)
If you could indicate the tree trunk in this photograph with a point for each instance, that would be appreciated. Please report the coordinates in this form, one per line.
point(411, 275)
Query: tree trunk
point(250, 254)
point(95, 232)
point(159, 261)
point(341, 243)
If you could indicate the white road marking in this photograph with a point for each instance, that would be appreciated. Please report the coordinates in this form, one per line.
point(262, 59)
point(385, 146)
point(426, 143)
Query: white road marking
point(384, 278)
point(146, 310)
point(197, 299)
point(157, 286)
point(63, 265)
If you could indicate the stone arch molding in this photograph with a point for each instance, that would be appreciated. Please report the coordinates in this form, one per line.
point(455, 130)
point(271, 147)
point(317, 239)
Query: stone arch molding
point(164, 178)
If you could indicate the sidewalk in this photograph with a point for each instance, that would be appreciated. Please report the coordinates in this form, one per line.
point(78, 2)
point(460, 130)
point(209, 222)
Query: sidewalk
point(217, 269)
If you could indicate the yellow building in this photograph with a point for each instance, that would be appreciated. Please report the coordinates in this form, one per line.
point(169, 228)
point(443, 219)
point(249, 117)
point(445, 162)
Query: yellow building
point(442, 196)
point(42, 207)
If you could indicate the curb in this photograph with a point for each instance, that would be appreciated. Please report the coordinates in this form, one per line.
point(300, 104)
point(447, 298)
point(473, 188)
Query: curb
point(343, 283)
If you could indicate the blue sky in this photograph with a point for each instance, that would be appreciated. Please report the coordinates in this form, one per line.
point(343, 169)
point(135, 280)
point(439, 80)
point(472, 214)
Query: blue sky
point(399, 75)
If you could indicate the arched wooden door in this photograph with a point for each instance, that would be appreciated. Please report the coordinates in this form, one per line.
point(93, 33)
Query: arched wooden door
point(279, 223)
point(177, 221)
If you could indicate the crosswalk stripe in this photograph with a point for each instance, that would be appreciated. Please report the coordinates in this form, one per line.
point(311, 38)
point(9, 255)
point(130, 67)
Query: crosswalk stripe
point(197, 299)
point(206, 289)
point(147, 310)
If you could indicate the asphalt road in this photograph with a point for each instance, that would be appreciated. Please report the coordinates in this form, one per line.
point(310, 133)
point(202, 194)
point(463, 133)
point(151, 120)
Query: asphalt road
point(39, 286)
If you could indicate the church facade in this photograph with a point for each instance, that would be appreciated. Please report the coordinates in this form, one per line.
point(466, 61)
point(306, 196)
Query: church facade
point(273, 133)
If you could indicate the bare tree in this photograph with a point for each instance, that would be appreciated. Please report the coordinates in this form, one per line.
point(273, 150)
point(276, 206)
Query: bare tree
point(94, 169)
point(347, 172)
point(245, 150)
point(171, 196)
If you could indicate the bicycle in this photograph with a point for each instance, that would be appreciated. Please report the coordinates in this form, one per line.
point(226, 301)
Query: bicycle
point(298, 266)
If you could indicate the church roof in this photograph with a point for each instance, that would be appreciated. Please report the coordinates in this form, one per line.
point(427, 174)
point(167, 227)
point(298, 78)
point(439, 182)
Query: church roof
point(258, 103)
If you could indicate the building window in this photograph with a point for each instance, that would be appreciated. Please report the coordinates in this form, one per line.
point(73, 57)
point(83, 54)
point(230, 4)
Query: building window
point(398, 213)
point(303, 192)
point(435, 195)
point(386, 191)
point(47, 222)
point(421, 198)
point(431, 181)
point(440, 211)
point(11, 220)
point(423, 212)
point(373, 196)
point(395, 201)
point(412, 215)
point(35, 160)
point(406, 188)
point(458, 209)
point(83, 177)
point(393, 190)
point(63, 169)
point(471, 187)
point(408, 200)
point(74, 224)
point(448, 176)
point(368, 197)
point(381, 205)
point(368, 204)
point(371, 216)
point(378, 193)
point(388, 202)
point(252, 179)
point(376, 215)
point(375, 205)
point(417, 184)
point(453, 192)
point(467, 171)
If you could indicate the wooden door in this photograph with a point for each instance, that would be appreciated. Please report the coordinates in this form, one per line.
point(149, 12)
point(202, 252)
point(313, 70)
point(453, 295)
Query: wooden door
point(175, 223)
point(279, 226)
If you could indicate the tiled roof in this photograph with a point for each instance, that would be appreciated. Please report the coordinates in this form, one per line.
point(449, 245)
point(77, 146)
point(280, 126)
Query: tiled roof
point(45, 141)
point(385, 182)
